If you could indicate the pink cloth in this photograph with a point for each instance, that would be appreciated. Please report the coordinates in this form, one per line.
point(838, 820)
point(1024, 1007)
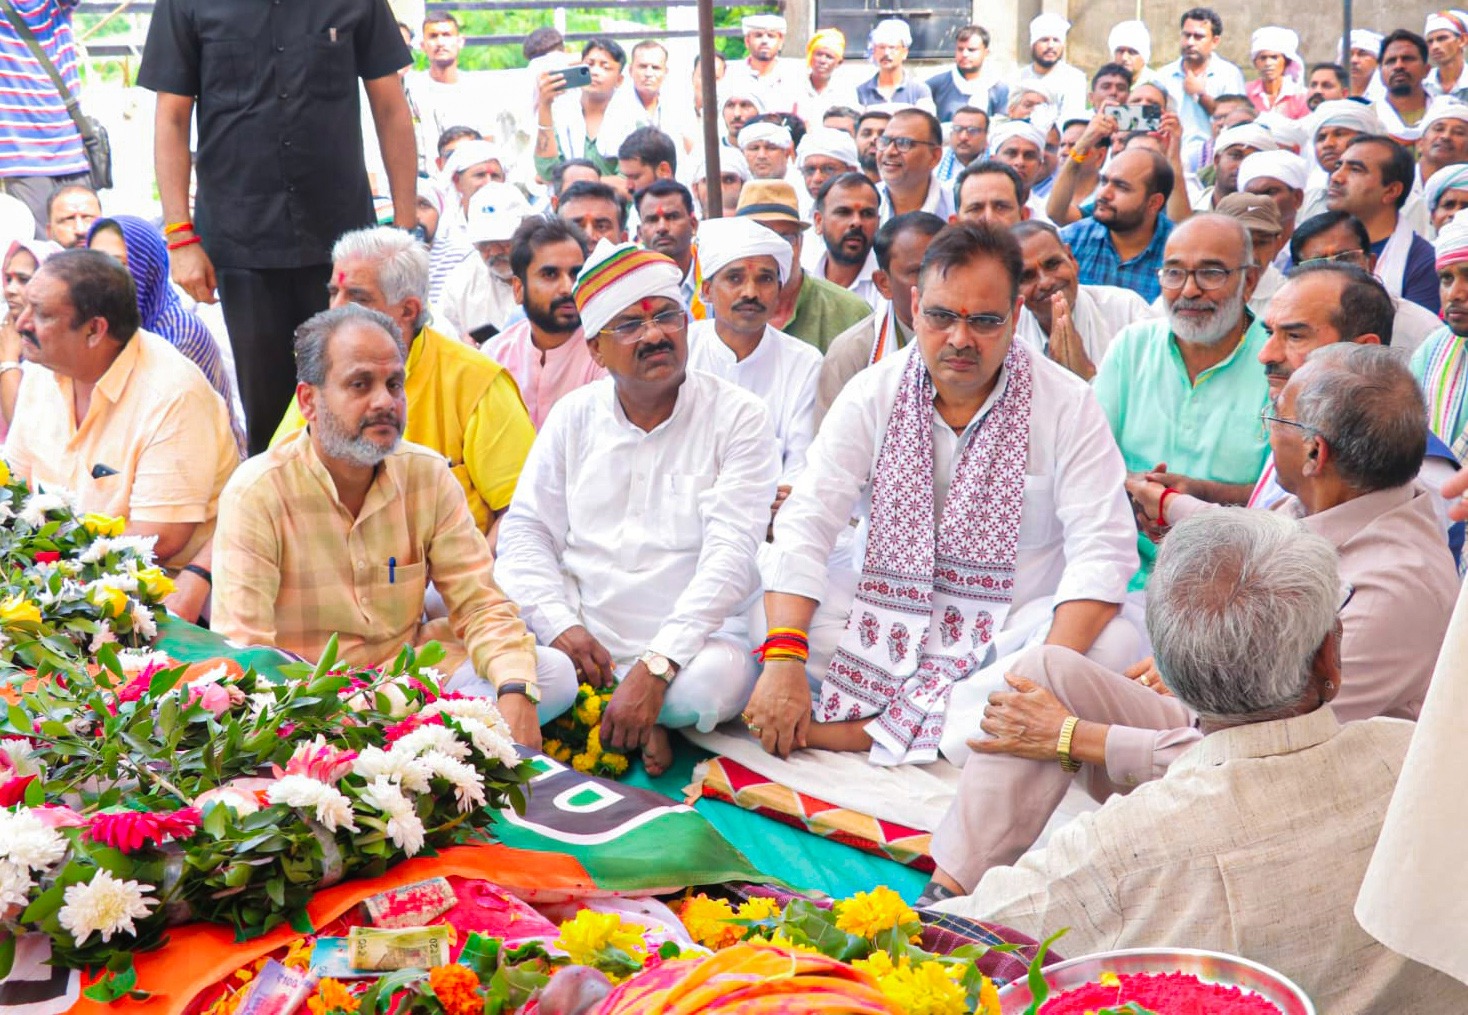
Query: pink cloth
point(1291, 102)
point(544, 377)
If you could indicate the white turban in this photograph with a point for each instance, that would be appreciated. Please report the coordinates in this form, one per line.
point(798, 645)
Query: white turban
point(1048, 26)
point(827, 141)
point(723, 241)
point(1274, 39)
point(1444, 108)
point(763, 130)
point(731, 160)
point(1364, 38)
point(1346, 113)
point(1286, 167)
point(496, 211)
point(470, 153)
point(1452, 242)
point(617, 276)
point(891, 32)
point(1447, 178)
point(1130, 35)
point(1250, 135)
point(1447, 21)
point(767, 22)
point(1290, 133)
point(741, 89)
point(1011, 129)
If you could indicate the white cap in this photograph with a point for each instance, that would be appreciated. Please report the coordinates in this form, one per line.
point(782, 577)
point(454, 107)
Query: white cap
point(1366, 39)
point(1130, 35)
point(1286, 167)
point(1011, 129)
point(741, 89)
point(763, 130)
point(1250, 135)
point(470, 153)
point(891, 32)
point(495, 212)
point(1274, 39)
point(1447, 21)
point(1347, 113)
point(1290, 133)
point(768, 22)
point(1048, 26)
point(731, 160)
point(827, 141)
point(722, 241)
point(1444, 108)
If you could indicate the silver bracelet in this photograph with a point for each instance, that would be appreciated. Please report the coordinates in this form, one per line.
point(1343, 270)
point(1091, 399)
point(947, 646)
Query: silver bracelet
point(9, 365)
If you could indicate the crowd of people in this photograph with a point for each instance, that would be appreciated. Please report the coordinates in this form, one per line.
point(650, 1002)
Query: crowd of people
point(1069, 427)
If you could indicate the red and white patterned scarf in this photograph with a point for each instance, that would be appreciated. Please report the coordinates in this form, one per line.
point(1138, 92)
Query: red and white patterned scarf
point(929, 603)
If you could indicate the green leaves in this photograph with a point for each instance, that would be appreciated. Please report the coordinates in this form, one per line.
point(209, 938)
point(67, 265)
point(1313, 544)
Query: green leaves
point(1039, 987)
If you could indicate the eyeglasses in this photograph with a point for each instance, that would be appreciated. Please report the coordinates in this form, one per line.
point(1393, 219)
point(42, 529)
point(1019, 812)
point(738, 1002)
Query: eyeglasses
point(969, 131)
point(1348, 592)
point(1356, 257)
point(1208, 279)
point(981, 324)
point(902, 144)
point(1266, 418)
point(669, 322)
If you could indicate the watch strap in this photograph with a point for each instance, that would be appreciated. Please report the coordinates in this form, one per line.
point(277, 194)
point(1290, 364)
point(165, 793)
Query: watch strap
point(1062, 749)
point(518, 687)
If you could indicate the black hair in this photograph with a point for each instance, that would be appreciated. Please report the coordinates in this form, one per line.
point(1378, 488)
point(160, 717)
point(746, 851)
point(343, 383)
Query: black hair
point(558, 172)
point(1404, 35)
point(1207, 14)
point(597, 191)
point(844, 180)
point(69, 188)
point(1111, 70)
point(1323, 223)
point(542, 41)
point(1342, 76)
point(540, 231)
point(98, 286)
point(665, 188)
point(969, 31)
point(456, 133)
point(608, 46)
point(1365, 307)
point(981, 167)
point(935, 128)
point(961, 244)
point(922, 222)
point(1400, 167)
point(651, 147)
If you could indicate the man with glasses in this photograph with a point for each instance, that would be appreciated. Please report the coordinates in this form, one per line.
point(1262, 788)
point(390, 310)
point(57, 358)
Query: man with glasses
point(631, 541)
point(990, 492)
point(1341, 238)
point(908, 153)
point(890, 41)
point(968, 139)
point(1183, 393)
point(1348, 433)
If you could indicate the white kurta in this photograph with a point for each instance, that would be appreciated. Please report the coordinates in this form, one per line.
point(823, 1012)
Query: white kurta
point(939, 200)
point(1100, 312)
point(814, 256)
point(1077, 539)
point(646, 539)
point(781, 372)
point(473, 297)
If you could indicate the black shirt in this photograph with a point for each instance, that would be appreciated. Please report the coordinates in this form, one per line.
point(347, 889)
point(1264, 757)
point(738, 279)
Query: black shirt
point(280, 162)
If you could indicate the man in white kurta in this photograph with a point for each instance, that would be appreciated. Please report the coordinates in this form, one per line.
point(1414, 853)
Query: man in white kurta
point(744, 264)
point(1070, 546)
point(631, 540)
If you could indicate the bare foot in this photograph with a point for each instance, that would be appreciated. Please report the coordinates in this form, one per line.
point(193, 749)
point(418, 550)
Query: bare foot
point(839, 736)
point(658, 754)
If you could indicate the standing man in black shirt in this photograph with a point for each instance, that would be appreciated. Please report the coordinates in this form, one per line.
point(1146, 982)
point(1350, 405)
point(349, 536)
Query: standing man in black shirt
point(281, 172)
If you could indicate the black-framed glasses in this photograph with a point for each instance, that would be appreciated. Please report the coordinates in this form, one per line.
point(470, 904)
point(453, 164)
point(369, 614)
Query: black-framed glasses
point(669, 322)
point(945, 321)
point(902, 144)
point(969, 131)
point(1348, 592)
point(1356, 257)
point(1208, 279)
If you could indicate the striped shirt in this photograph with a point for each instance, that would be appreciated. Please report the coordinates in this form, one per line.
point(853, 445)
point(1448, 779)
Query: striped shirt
point(1100, 264)
point(37, 135)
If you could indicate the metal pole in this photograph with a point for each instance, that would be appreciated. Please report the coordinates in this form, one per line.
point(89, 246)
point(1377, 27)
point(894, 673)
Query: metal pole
point(712, 120)
point(1346, 39)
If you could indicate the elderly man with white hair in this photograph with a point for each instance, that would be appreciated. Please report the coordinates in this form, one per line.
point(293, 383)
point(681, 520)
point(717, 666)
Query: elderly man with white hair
point(1047, 64)
point(744, 265)
point(1275, 54)
point(1257, 837)
point(1279, 176)
point(1444, 33)
point(477, 293)
point(893, 83)
point(779, 84)
point(631, 543)
point(1130, 44)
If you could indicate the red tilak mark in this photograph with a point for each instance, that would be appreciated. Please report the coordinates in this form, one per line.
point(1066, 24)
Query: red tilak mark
point(646, 305)
point(341, 278)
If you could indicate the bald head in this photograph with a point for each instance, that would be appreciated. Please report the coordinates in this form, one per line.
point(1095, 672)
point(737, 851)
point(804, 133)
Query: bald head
point(1368, 408)
point(1223, 236)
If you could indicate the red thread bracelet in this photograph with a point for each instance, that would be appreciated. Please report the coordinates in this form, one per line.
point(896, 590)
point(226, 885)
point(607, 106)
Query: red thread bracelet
point(177, 227)
point(178, 244)
point(1162, 506)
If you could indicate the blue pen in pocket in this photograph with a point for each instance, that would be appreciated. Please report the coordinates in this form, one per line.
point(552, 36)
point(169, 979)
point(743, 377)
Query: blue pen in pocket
point(392, 569)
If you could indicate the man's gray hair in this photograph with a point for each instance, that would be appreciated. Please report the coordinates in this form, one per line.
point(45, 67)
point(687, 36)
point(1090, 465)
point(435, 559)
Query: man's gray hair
point(312, 361)
point(1237, 607)
point(1366, 404)
point(402, 263)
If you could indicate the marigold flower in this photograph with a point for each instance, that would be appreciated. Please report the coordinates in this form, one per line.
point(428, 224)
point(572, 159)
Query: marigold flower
point(457, 989)
point(867, 914)
point(708, 921)
point(332, 996)
point(16, 610)
point(759, 908)
point(924, 989)
point(590, 934)
point(989, 999)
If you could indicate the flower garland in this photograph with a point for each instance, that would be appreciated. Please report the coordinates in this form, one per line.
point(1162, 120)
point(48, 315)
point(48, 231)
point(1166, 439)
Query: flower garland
point(574, 737)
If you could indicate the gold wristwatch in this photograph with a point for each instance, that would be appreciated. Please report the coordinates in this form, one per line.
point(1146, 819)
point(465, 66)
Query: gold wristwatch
point(1062, 749)
point(659, 666)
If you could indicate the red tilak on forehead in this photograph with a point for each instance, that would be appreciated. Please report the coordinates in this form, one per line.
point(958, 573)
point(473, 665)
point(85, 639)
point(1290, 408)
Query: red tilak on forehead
point(341, 278)
point(646, 305)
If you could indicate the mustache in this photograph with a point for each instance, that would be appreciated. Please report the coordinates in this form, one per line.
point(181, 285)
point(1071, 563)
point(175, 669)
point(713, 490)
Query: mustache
point(749, 303)
point(1278, 370)
point(653, 350)
point(854, 233)
point(966, 355)
point(1182, 303)
point(561, 301)
point(381, 419)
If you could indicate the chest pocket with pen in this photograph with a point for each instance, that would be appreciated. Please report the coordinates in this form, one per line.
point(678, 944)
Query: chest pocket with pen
point(332, 71)
point(396, 594)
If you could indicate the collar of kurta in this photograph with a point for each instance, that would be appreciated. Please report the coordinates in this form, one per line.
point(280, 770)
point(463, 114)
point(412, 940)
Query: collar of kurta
point(1259, 740)
point(1340, 523)
point(1177, 356)
point(113, 382)
point(383, 491)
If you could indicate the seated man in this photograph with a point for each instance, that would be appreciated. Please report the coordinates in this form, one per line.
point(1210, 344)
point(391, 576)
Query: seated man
point(119, 417)
point(478, 299)
point(840, 250)
point(464, 405)
point(1076, 323)
point(899, 249)
point(1183, 393)
point(1256, 840)
point(1441, 363)
point(1348, 436)
point(340, 529)
point(546, 352)
point(744, 265)
point(631, 542)
point(997, 519)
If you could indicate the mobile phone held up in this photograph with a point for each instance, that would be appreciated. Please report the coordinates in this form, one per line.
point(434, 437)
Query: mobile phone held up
point(1138, 116)
point(578, 75)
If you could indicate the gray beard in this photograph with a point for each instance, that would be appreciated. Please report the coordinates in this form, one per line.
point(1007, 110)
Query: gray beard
point(338, 441)
point(1214, 330)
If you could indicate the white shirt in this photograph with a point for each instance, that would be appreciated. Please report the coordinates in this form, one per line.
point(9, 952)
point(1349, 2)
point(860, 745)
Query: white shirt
point(1270, 281)
point(472, 297)
point(1067, 83)
point(781, 87)
point(938, 202)
point(646, 539)
point(814, 257)
point(1100, 311)
point(1077, 539)
point(781, 372)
